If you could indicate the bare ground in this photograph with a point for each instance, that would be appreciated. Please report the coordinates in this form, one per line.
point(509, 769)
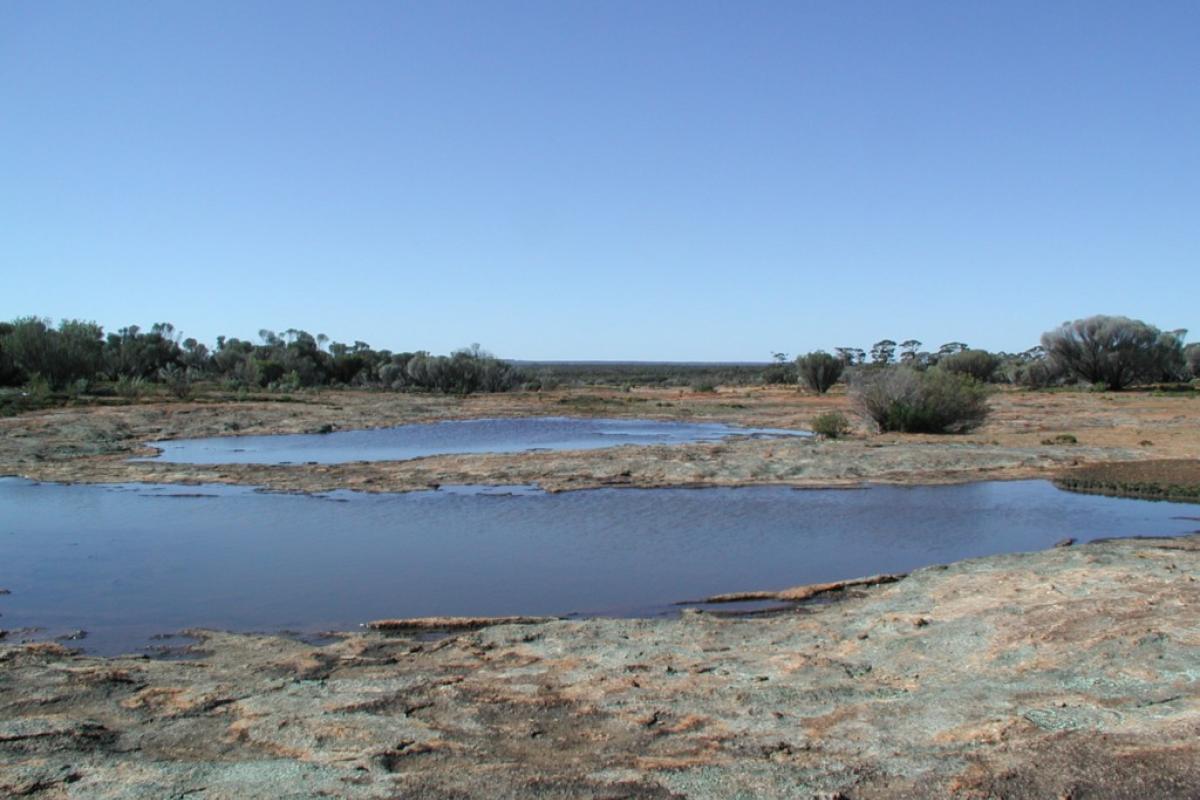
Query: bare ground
point(94, 444)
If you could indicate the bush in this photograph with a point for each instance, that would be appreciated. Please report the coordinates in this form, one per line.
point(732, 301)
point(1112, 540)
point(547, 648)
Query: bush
point(1038, 373)
point(819, 370)
point(177, 380)
point(831, 425)
point(703, 386)
point(1191, 355)
point(934, 401)
point(130, 388)
point(979, 364)
point(1115, 351)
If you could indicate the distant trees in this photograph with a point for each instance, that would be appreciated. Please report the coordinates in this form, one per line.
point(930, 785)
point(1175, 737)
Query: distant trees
point(850, 356)
point(882, 352)
point(819, 370)
point(779, 371)
point(77, 352)
point(1114, 351)
point(73, 351)
point(463, 372)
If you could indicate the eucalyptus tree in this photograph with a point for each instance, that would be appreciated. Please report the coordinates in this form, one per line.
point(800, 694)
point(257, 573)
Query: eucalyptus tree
point(882, 352)
point(1116, 352)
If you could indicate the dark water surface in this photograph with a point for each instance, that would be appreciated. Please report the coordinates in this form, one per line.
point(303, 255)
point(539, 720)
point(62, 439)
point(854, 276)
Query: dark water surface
point(127, 562)
point(447, 437)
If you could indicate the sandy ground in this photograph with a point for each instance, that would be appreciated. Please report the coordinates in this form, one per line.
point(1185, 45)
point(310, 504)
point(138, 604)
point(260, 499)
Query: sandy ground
point(94, 444)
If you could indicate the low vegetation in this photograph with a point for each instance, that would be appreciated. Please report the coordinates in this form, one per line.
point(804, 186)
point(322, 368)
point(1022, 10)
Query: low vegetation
point(907, 400)
point(1164, 479)
point(76, 358)
point(831, 425)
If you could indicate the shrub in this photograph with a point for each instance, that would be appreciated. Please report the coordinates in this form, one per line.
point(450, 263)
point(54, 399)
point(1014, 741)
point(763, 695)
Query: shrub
point(703, 386)
point(177, 380)
point(1038, 373)
point(934, 401)
point(1062, 438)
point(777, 374)
point(130, 388)
point(819, 370)
point(1115, 351)
point(979, 364)
point(1191, 355)
point(831, 425)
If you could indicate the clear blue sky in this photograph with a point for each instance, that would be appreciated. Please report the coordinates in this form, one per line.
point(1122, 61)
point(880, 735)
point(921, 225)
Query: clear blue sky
point(607, 180)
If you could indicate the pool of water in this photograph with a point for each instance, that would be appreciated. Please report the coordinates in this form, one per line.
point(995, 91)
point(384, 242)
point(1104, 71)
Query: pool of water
point(448, 437)
point(127, 562)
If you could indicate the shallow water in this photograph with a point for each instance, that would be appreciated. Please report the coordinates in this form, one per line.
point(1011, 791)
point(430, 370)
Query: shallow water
point(128, 562)
point(448, 437)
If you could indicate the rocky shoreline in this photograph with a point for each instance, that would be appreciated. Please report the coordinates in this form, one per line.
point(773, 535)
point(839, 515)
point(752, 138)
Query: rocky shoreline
point(1064, 673)
point(1024, 439)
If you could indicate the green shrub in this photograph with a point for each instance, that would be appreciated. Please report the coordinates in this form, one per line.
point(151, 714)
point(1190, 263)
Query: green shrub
point(831, 425)
point(703, 386)
point(177, 380)
point(979, 364)
point(1191, 355)
point(130, 388)
point(1037, 373)
point(1062, 438)
point(819, 370)
point(779, 374)
point(934, 401)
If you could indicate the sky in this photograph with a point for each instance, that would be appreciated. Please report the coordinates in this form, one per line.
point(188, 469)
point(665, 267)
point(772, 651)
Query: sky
point(603, 179)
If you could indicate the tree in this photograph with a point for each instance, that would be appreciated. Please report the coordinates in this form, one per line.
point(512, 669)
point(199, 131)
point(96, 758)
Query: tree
point(851, 356)
point(882, 352)
point(1114, 351)
point(819, 370)
point(950, 348)
point(1191, 355)
point(908, 350)
point(779, 371)
point(10, 374)
point(69, 353)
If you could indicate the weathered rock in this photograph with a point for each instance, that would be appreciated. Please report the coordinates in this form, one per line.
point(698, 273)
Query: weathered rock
point(1064, 673)
point(450, 623)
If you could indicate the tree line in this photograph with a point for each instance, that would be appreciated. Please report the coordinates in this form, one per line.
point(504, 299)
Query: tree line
point(946, 391)
point(1108, 352)
point(75, 354)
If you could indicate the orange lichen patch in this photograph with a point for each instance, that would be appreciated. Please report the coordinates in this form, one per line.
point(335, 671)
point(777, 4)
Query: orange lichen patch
point(710, 755)
point(990, 731)
point(162, 699)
